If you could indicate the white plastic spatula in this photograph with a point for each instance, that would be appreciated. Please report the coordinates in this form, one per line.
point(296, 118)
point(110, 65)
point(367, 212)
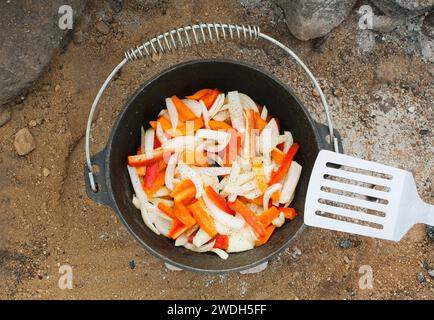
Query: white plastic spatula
point(362, 197)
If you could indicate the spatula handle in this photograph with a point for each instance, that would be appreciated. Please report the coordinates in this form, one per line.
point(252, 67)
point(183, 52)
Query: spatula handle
point(428, 214)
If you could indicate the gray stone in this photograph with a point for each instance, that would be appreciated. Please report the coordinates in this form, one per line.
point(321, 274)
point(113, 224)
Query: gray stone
point(24, 142)
point(404, 7)
point(309, 19)
point(30, 36)
point(420, 277)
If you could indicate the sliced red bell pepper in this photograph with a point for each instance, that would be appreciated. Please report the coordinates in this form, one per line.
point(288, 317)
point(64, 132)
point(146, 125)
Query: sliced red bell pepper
point(219, 201)
point(249, 216)
point(221, 242)
point(177, 229)
point(151, 174)
point(210, 97)
point(284, 167)
point(268, 216)
point(233, 148)
point(142, 160)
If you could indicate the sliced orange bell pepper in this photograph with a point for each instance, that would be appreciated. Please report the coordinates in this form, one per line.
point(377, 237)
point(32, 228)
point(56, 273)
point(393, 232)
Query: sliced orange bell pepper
point(184, 112)
point(268, 216)
point(289, 213)
point(286, 164)
point(277, 155)
point(199, 94)
point(260, 123)
point(249, 216)
point(194, 157)
point(184, 184)
point(183, 215)
point(218, 125)
point(258, 201)
point(219, 201)
point(166, 209)
point(258, 170)
point(264, 239)
point(203, 218)
point(185, 195)
point(177, 229)
point(221, 242)
point(141, 171)
point(142, 160)
point(210, 97)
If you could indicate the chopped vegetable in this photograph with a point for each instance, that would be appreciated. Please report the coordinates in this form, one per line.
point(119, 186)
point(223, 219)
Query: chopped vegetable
point(202, 217)
point(215, 173)
point(248, 215)
point(286, 164)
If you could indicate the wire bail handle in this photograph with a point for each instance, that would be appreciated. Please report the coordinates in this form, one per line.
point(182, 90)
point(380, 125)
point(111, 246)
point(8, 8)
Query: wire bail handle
point(188, 36)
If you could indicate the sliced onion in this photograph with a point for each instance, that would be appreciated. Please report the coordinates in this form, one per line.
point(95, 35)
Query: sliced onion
point(213, 171)
point(137, 186)
point(142, 139)
point(194, 106)
point(264, 113)
point(216, 106)
point(215, 158)
point(215, 148)
point(148, 218)
point(188, 173)
point(205, 114)
point(287, 140)
point(155, 201)
point(149, 142)
point(136, 202)
point(173, 113)
point(200, 238)
point(162, 192)
point(221, 216)
point(181, 143)
point(247, 102)
point(253, 194)
point(222, 115)
point(170, 171)
point(236, 111)
point(160, 133)
point(183, 238)
point(240, 241)
point(205, 248)
point(221, 253)
point(213, 135)
point(290, 182)
point(279, 220)
point(268, 193)
point(162, 112)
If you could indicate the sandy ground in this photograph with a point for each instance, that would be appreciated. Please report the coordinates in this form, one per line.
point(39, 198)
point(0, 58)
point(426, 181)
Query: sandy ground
point(382, 104)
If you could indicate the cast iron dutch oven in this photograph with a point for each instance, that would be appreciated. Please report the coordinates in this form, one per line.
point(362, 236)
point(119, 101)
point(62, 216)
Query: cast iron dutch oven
point(114, 187)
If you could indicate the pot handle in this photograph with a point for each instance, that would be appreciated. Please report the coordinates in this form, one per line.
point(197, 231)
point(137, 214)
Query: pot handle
point(186, 37)
point(101, 196)
point(324, 133)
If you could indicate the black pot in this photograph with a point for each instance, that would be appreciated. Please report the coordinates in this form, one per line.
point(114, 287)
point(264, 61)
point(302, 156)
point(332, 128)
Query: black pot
point(114, 187)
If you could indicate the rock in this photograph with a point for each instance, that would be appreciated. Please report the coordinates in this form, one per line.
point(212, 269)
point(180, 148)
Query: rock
point(345, 244)
point(431, 273)
point(411, 109)
point(102, 27)
point(420, 277)
point(33, 123)
point(46, 172)
point(404, 7)
point(132, 264)
point(57, 88)
point(430, 231)
point(24, 142)
point(32, 39)
point(5, 115)
point(309, 19)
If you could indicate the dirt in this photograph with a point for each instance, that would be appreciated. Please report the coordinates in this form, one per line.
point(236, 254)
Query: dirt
point(47, 220)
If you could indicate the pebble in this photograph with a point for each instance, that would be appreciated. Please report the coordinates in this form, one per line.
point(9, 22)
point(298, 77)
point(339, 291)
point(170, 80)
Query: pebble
point(420, 277)
point(102, 27)
point(347, 260)
point(24, 142)
point(423, 132)
point(57, 87)
point(5, 115)
point(345, 244)
point(33, 123)
point(46, 172)
point(132, 264)
point(431, 273)
point(411, 109)
point(296, 253)
point(315, 93)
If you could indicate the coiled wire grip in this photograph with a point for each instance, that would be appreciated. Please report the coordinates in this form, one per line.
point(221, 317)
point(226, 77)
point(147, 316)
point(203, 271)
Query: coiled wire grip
point(188, 36)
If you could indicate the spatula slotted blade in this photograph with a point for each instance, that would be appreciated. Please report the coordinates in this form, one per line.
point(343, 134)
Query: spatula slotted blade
point(362, 197)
